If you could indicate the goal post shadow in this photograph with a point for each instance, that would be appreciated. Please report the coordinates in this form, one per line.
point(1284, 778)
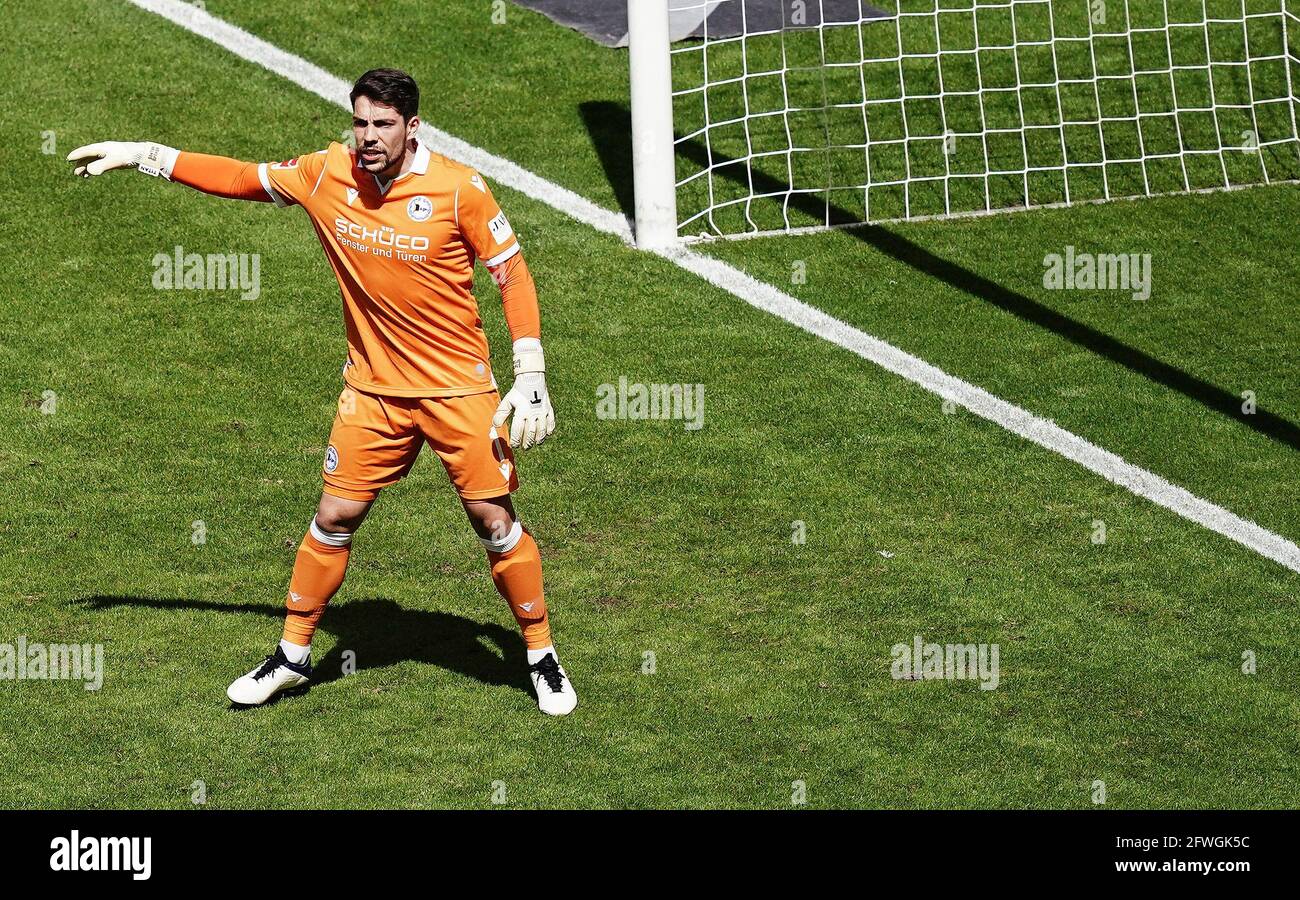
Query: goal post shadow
point(609, 125)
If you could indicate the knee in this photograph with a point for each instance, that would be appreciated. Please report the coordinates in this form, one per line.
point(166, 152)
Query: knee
point(494, 522)
point(495, 526)
point(338, 516)
point(502, 536)
point(335, 523)
point(499, 534)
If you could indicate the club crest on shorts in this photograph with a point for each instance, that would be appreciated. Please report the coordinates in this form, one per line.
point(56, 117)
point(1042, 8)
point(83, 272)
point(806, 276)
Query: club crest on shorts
point(420, 208)
point(331, 459)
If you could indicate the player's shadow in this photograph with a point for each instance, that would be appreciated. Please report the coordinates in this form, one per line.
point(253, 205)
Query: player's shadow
point(380, 633)
point(609, 125)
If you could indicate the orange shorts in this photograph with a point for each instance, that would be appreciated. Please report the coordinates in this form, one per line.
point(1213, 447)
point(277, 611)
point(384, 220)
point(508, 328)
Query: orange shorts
point(375, 441)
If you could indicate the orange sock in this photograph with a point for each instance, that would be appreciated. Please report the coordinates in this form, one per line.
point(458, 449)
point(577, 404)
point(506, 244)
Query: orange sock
point(517, 573)
point(317, 573)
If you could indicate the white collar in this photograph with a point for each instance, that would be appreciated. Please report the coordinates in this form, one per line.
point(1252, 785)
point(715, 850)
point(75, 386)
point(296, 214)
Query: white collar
point(422, 154)
point(418, 167)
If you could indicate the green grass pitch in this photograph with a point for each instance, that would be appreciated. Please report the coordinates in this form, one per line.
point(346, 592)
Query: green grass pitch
point(1120, 662)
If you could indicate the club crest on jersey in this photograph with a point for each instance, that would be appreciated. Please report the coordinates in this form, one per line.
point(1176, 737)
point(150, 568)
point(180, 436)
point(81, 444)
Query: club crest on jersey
point(331, 459)
point(420, 208)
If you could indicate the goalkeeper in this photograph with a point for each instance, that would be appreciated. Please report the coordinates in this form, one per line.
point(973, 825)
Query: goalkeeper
point(401, 227)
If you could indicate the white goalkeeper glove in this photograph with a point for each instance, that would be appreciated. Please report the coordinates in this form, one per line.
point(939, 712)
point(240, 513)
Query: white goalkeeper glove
point(149, 158)
point(534, 418)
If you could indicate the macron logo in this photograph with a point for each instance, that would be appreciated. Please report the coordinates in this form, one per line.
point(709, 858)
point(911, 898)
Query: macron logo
point(105, 854)
point(352, 195)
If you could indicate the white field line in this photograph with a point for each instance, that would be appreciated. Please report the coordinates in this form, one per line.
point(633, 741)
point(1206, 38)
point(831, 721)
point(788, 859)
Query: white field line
point(763, 296)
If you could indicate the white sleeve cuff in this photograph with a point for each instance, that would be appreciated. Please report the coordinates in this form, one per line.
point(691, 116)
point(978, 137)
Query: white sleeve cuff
point(502, 256)
point(266, 186)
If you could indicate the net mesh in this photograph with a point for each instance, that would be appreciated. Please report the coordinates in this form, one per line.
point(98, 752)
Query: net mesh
point(821, 113)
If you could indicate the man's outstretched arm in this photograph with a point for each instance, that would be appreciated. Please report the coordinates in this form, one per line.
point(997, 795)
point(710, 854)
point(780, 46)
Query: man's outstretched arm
point(216, 175)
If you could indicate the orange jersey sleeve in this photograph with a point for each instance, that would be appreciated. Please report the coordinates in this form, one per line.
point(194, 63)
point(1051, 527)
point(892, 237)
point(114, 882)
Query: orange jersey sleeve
point(518, 297)
point(482, 223)
point(220, 176)
point(294, 181)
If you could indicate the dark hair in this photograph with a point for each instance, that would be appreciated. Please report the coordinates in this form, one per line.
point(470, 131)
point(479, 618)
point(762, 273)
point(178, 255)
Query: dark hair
point(391, 87)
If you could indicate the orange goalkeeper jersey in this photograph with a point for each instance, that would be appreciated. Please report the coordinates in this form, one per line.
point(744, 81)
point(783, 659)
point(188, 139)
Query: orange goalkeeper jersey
point(403, 252)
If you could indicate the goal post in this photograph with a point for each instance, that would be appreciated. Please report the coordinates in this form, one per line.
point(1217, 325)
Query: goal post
point(785, 115)
point(653, 178)
point(1291, 50)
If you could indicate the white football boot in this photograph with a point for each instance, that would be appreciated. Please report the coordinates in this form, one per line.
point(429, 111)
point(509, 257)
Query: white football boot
point(274, 675)
point(555, 694)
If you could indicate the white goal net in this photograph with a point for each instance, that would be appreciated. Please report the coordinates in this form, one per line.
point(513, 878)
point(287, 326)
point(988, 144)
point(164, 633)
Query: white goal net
point(817, 113)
